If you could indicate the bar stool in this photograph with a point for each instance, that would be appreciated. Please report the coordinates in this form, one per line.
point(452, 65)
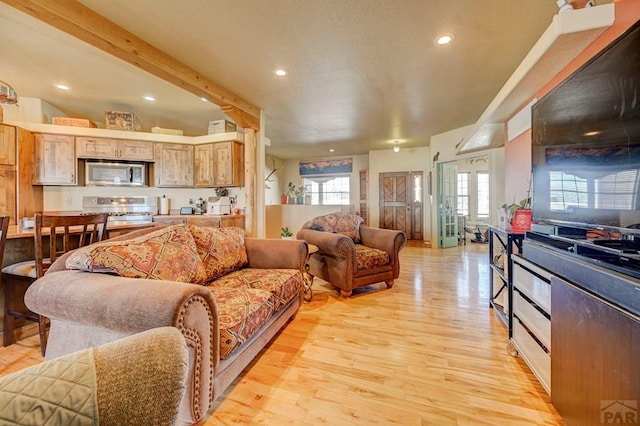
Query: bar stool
point(18, 277)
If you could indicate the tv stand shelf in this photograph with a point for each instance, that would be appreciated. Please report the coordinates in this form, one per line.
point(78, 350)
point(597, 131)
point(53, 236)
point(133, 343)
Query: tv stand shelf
point(501, 299)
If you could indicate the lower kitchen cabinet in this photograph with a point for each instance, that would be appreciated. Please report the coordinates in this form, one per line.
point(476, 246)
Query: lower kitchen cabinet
point(217, 221)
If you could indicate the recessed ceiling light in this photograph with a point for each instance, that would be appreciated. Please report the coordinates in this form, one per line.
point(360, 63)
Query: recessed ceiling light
point(280, 72)
point(593, 133)
point(444, 39)
point(149, 98)
point(203, 99)
point(62, 86)
point(332, 150)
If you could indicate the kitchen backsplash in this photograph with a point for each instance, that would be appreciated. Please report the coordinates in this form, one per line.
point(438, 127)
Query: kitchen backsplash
point(63, 198)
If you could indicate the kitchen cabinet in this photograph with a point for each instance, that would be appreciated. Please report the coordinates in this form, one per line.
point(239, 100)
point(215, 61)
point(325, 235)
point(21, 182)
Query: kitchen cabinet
point(114, 149)
point(7, 145)
point(174, 165)
point(216, 221)
point(219, 164)
point(18, 197)
point(55, 157)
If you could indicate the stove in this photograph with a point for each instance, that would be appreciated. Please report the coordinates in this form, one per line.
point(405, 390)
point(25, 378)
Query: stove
point(122, 210)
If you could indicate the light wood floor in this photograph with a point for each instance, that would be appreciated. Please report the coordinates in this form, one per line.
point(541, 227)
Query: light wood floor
point(427, 352)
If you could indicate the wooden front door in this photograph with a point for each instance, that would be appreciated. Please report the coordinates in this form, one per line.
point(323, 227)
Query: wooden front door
point(401, 203)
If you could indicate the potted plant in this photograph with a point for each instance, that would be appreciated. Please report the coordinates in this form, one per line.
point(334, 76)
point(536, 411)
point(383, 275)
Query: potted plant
point(285, 233)
point(300, 191)
point(291, 193)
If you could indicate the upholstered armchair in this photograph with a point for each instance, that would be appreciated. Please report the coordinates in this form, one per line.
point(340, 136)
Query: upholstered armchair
point(138, 380)
point(351, 255)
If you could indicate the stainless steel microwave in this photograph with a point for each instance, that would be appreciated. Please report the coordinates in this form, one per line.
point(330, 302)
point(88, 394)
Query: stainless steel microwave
point(112, 173)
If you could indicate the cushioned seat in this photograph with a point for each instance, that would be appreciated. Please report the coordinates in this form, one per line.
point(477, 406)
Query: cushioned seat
point(369, 257)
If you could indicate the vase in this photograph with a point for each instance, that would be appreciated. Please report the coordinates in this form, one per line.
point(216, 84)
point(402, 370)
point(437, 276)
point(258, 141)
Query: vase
point(284, 199)
point(521, 221)
point(300, 199)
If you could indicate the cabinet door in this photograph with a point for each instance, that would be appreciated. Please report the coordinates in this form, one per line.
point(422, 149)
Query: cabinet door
point(595, 360)
point(237, 221)
point(135, 150)
point(228, 164)
point(7, 145)
point(213, 221)
point(8, 192)
point(174, 165)
point(203, 165)
point(100, 148)
point(55, 160)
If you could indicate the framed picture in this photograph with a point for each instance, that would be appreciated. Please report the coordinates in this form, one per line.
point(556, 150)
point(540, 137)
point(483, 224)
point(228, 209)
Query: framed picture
point(332, 166)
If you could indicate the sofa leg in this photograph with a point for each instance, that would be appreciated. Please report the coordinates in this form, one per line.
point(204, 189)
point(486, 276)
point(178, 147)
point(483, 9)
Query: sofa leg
point(389, 283)
point(346, 293)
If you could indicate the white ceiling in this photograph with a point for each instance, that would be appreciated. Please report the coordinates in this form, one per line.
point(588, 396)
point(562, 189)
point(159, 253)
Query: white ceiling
point(362, 72)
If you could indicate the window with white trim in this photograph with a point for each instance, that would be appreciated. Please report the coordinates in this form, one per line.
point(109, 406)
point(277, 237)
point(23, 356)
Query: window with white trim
point(328, 190)
point(463, 194)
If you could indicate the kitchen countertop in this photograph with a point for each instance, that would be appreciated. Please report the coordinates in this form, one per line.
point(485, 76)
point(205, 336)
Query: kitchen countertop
point(179, 216)
point(16, 231)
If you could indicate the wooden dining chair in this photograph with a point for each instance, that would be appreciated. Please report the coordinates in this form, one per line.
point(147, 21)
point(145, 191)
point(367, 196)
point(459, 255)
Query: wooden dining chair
point(65, 232)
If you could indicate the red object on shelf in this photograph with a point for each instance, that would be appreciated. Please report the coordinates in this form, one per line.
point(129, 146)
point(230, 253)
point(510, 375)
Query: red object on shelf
point(521, 221)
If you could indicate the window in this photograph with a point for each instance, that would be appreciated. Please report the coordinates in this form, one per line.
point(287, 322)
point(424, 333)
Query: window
point(483, 194)
point(328, 190)
point(463, 194)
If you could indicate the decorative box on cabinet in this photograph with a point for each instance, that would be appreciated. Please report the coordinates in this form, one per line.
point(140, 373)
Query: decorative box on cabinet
point(532, 318)
point(114, 149)
point(56, 162)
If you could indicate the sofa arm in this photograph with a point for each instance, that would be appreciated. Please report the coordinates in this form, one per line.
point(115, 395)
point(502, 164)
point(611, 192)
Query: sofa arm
point(129, 306)
point(329, 243)
point(276, 254)
point(388, 240)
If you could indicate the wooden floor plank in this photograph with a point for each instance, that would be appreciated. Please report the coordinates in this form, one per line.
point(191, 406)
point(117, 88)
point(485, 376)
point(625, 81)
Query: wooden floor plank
point(429, 351)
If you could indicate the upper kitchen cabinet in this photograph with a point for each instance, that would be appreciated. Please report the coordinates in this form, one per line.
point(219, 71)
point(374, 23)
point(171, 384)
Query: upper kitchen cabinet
point(174, 165)
point(18, 197)
point(55, 159)
point(7, 145)
point(114, 149)
point(219, 164)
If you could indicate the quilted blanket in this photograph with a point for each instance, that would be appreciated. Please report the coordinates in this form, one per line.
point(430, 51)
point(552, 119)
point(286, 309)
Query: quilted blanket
point(59, 392)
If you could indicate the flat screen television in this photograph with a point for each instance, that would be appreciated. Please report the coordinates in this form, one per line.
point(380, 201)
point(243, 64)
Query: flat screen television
point(586, 143)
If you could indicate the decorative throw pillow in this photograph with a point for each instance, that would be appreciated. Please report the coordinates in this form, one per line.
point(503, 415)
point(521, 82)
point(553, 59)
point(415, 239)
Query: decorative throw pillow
point(221, 250)
point(347, 224)
point(167, 254)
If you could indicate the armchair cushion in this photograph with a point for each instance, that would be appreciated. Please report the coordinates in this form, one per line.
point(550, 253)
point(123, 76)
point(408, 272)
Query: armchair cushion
point(369, 257)
point(347, 224)
point(167, 254)
point(222, 250)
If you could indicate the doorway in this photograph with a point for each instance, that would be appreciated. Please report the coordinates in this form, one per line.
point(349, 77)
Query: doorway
point(402, 203)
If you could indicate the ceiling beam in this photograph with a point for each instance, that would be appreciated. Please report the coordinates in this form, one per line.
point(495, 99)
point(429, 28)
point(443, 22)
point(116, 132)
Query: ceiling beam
point(85, 24)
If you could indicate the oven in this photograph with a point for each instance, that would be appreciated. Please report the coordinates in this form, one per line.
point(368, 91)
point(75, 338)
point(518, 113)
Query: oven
point(122, 210)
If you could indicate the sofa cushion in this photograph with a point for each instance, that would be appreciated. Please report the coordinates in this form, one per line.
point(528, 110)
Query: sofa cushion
point(221, 250)
point(369, 257)
point(283, 284)
point(241, 312)
point(167, 254)
point(347, 224)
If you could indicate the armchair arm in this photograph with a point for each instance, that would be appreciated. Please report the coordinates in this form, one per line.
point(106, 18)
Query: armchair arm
point(336, 245)
point(277, 254)
point(388, 240)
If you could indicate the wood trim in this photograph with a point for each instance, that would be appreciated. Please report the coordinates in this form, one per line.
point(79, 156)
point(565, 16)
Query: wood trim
point(85, 24)
point(250, 221)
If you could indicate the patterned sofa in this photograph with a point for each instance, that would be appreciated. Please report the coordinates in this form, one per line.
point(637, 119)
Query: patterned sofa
point(227, 294)
point(351, 255)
